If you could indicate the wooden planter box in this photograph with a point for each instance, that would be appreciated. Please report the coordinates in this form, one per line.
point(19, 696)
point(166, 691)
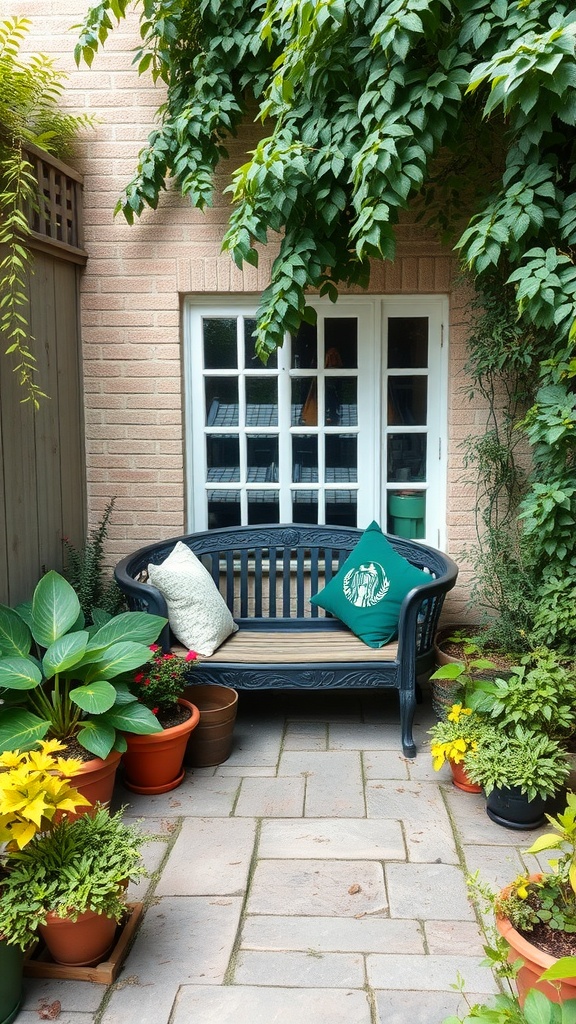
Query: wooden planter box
point(39, 964)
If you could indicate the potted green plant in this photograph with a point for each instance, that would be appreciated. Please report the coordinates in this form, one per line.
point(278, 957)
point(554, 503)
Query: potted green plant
point(34, 790)
point(535, 915)
point(153, 763)
point(518, 770)
point(455, 736)
point(60, 680)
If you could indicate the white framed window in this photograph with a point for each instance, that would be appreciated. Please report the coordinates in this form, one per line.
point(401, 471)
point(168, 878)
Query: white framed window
point(344, 424)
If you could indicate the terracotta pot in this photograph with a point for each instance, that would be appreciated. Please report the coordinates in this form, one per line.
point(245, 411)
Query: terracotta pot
point(535, 963)
point(80, 943)
point(153, 764)
point(95, 781)
point(461, 780)
point(11, 968)
point(211, 741)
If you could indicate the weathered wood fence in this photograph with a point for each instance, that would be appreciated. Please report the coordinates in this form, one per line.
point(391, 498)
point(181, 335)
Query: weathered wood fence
point(42, 462)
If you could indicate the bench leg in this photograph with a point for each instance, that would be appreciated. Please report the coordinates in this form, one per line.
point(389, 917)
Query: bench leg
point(407, 709)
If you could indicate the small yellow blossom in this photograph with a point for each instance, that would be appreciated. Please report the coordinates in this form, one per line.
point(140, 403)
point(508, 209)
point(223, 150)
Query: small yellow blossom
point(456, 712)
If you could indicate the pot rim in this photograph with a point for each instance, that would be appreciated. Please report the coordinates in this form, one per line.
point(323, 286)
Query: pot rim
point(523, 946)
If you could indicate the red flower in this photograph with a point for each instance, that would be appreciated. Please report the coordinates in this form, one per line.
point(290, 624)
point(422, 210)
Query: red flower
point(167, 657)
point(138, 677)
point(154, 711)
point(190, 656)
point(154, 647)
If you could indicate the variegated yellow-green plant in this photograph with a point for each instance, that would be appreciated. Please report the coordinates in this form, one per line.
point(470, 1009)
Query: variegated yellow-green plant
point(34, 787)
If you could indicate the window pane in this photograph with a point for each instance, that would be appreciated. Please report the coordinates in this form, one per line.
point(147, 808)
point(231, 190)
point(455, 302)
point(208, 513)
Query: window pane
point(263, 507)
point(305, 507)
point(251, 360)
point(407, 514)
point(261, 401)
point(341, 508)
point(223, 457)
point(304, 458)
point(262, 458)
point(407, 341)
point(220, 345)
point(304, 402)
point(406, 457)
point(341, 458)
point(407, 400)
point(341, 404)
point(221, 401)
point(223, 509)
point(304, 348)
point(341, 341)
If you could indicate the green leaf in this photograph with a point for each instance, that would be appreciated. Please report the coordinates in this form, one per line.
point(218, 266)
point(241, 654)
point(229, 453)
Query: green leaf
point(64, 653)
point(565, 967)
point(20, 729)
point(95, 698)
point(55, 609)
point(14, 634)
point(118, 658)
point(19, 674)
point(134, 718)
point(139, 627)
point(97, 737)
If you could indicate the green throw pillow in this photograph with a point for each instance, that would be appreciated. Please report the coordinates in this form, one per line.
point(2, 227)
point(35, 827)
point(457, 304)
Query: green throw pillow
point(367, 592)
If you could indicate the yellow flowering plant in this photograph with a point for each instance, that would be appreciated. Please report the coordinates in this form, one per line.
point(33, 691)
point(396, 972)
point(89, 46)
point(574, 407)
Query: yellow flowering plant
point(460, 732)
point(34, 788)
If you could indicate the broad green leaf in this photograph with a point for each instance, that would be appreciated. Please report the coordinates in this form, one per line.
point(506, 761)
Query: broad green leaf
point(537, 1008)
point(139, 627)
point(24, 610)
point(133, 717)
point(123, 693)
point(547, 842)
point(64, 653)
point(19, 674)
point(565, 967)
point(119, 658)
point(97, 737)
point(15, 636)
point(95, 698)
point(55, 609)
point(450, 671)
point(20, 729)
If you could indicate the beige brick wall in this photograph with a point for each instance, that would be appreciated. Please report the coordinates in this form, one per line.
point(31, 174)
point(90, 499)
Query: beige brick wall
point(133, 285)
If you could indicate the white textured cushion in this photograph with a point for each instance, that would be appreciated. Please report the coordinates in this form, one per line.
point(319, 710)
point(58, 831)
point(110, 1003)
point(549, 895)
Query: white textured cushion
point(198, 614)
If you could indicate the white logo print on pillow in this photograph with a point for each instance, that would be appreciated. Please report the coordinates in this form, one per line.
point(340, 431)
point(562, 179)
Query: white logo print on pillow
point(366, 585)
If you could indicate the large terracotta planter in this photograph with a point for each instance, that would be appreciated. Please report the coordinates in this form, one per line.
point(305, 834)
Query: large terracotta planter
point(11, 967)
point(95, 781)
point(80, 943)
point(461, 780)
point(535, 962)
point(153, 764)
point(211, 741)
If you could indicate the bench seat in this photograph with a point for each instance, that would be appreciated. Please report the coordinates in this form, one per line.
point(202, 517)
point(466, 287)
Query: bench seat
point(260, 647)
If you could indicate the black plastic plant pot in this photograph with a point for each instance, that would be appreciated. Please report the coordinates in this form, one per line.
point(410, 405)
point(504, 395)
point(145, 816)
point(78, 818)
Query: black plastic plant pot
point(512, 808)
point(11, 968)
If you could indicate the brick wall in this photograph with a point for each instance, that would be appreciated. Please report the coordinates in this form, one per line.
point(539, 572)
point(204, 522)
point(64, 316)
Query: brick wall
point(134, 282)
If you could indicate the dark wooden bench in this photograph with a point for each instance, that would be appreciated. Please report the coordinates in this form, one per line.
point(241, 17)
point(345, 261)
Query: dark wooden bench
point(267, 574)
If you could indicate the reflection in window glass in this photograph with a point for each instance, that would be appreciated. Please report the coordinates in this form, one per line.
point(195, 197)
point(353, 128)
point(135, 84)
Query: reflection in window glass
point(341, 458)
point(304, 348)
point(223, 509)
point(407, 401)
point(262, 453)
point(223, 457)
point(261, 401)
point(263, 507)
point(220, 344)
point(251, 360)
point(407, 342)
point(304, 409)
point(304, 458)
point(305, 507)
point(406, 457)
point(341, 341)
point(341, 508)
point(221, 401)
point(341, 402)
point(407, 514)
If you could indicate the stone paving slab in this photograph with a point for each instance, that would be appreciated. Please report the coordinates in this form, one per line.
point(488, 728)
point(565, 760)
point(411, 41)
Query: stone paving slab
point(334, 787)
point(318, 888)
point(332, 934)
point(306, 736)
point(299, 969)
point(256, 744)
point(443, 937)
point(422, 891)
point(385, 736)
point(420, 806)
point(74, 996)
point(385, 764)
point(211, 856)
point(64, 1017)
point(421, 1007)
point(271, 798)
point(238, 1004)
point(197, 796)
point(430, 973)
point(468, 811)
point(330, 838)
point(497, 865)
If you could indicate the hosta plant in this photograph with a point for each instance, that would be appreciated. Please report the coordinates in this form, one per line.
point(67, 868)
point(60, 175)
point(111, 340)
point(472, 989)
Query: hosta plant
point(60, 680)
point(521, 758)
